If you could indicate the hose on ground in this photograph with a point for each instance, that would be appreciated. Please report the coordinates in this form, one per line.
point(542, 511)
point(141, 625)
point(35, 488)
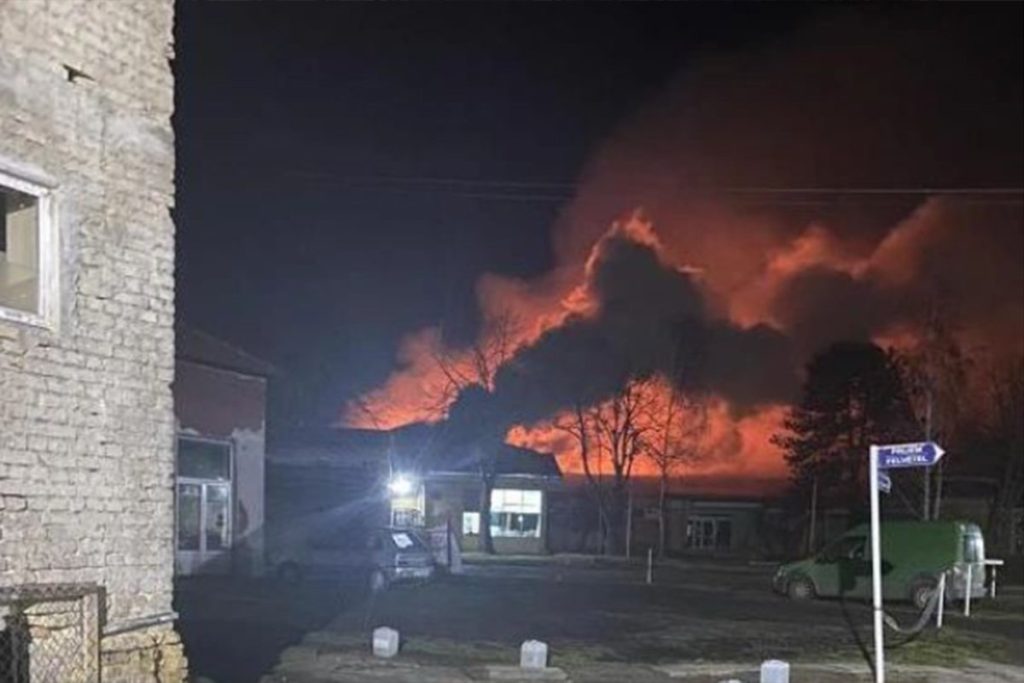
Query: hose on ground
point(923, 619)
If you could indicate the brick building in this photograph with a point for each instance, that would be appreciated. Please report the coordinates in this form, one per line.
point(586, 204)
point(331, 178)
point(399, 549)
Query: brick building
point(86, 341)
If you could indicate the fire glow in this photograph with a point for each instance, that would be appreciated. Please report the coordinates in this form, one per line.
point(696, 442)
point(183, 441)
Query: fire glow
point(765, 243)
point(416, 392)
point(738, 439)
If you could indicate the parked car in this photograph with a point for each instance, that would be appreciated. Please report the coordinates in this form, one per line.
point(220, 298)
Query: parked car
point(374, 557)
point(914, 556)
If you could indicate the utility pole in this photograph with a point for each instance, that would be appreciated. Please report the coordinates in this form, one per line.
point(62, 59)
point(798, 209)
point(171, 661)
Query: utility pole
point(926, 507)
point(814, 517)
point(629, 521)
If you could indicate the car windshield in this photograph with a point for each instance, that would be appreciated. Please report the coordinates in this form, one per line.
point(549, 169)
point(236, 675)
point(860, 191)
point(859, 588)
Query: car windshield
point(850, 547)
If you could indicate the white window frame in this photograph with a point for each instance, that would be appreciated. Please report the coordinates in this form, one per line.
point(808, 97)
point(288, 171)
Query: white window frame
point(470, 523)
point(48, 249)
point(203, 483)
point(716, 521)
point(515, 502)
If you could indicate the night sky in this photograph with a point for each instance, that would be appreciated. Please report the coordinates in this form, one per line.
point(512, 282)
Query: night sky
point(319, 212)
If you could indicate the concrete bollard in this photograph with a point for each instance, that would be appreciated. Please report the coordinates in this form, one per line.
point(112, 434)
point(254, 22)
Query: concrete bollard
point(385, 642)
point(774, 671)
point(533, 655)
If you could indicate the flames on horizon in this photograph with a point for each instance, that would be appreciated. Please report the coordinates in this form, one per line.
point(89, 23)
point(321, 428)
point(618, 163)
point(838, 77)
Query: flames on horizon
point(757, 281)
point(881, 283)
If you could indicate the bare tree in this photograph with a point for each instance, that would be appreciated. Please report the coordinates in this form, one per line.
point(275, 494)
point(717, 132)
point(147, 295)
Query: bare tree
point(612, 432)
point(1006, 434)
point(578, 425)
point(478, 363)
point(935, 373)
point(678, 425)
point(476, 366)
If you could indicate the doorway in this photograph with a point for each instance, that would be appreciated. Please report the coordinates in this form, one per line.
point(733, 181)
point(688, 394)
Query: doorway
point(204, 506)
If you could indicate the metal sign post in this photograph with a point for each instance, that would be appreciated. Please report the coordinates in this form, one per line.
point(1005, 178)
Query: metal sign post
point(922, 454)
point(876, 567)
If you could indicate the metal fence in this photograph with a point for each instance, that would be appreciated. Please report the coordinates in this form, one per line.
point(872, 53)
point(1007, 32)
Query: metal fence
point(49, 633)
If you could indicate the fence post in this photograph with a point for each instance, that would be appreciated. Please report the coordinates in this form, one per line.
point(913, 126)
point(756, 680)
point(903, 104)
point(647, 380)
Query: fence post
point(967, 590)
point(629, 524)
point(91, 634)
point(942, 600)
point(448, 542)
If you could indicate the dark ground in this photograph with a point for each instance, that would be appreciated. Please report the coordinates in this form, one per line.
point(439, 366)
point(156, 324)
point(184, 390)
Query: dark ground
point(587, 612)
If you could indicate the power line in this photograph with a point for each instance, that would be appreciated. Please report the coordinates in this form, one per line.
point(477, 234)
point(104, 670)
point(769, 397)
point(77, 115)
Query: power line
point(513, 184)
point(554, 192)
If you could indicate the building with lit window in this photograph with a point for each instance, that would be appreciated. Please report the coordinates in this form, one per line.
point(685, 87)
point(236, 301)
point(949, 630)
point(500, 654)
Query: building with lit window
point(519, 521)
point(407, 477)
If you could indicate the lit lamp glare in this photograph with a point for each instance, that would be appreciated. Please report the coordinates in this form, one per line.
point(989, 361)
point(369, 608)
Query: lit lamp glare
point(400, 485)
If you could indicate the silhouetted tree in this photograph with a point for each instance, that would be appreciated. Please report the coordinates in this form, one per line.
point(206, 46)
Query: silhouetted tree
point(1003, 433)
point(853, 396)
point(470, 370)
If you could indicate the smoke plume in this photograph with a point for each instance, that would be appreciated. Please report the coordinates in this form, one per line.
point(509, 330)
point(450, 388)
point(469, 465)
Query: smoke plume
point(749, 272)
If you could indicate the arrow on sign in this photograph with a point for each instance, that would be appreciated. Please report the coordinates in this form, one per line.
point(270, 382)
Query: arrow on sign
point(884, 482)
point(921, 454)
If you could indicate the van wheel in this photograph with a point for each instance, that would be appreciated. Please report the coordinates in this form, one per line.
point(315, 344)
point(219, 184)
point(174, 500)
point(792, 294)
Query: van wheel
point(289, 572)
point(800, 588)
point(378, 582)
point(921, 592)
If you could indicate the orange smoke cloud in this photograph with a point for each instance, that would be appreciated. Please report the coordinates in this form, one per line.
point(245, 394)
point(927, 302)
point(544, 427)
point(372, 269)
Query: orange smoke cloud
point(815, 271)
point(422, 389)
point(881, 278)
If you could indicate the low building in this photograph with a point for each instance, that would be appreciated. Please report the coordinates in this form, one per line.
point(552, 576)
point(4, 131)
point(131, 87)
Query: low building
point(404, 477)
point(696, 522)
point(701, 524)
point(220, 396)
point(519, 521)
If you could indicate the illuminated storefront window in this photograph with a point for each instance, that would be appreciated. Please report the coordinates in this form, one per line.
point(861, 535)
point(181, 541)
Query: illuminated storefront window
point(516, 513)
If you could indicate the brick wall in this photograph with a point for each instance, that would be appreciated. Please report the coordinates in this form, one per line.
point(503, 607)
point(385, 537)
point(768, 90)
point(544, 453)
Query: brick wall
point(86, 424)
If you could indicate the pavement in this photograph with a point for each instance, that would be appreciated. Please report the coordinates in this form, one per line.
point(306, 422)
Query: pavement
point(701, 622)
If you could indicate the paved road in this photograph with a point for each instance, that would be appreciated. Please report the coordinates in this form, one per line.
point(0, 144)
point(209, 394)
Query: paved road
point(592, 616)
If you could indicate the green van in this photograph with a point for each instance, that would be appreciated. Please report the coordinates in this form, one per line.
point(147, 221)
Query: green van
point(914, 556)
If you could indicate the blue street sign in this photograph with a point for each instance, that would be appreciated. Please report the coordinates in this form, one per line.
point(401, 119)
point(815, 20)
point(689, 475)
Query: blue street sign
point(884, 482)
point(922, 454)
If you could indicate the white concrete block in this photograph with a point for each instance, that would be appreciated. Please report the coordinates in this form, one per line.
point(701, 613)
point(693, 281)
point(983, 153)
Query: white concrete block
point(774, 671)
point(533, 655)
point(385, 642)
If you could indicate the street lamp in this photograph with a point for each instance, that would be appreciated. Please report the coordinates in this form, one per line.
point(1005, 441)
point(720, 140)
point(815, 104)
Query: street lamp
point(401, 485)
